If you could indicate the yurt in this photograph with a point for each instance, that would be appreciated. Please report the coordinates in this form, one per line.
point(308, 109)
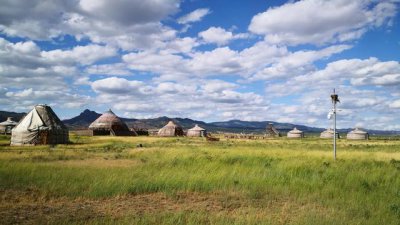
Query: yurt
point(328, 133)
point(7, 126)
point(110, 124)
point(171, 130)
point(295, 133)
point(40, 126)
point(357, 134)
point(271, 131)
point(196, 131)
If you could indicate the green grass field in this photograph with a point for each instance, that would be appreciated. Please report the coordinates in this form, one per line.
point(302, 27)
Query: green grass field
point(109, 180)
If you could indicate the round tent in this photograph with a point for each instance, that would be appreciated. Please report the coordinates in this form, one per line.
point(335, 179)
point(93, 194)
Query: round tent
point(197, 131)
point(295, 133)
point(171, 130)
point(110, 124)
point(7, 126)
point(357, 134)
point(39, 127)
point(328, 133)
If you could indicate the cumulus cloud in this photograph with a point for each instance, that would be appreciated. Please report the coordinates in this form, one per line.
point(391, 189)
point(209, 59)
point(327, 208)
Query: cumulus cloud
point(194, 16)
point(219, 36)
point(80, 54)
point(395, 104)
point(116, 69)
point(115, 85)
point(320, 22)
point(126, 24)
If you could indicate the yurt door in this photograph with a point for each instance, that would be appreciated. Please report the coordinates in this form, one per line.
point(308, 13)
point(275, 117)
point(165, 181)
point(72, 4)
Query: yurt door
point(44, 137)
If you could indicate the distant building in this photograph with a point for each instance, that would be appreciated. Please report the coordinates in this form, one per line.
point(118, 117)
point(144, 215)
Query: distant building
point(40, 126)
point(110, 124)
point(295, 133)
point(7, 126)
point(196, 131)
point(171, 130)
point(271, 131)
point(328, 133)
point(358, 134)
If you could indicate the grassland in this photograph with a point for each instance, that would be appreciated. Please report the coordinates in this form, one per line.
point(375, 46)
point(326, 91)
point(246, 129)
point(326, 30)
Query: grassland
point(111, 180)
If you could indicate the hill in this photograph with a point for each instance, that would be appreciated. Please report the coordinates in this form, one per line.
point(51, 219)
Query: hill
point(84, 119)
point(16, 116)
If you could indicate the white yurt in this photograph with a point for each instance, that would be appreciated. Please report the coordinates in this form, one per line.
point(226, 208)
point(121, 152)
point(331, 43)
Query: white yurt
point(7, 126)
point(328, 133)
point(295, 133)
point(358, 134)
point(41, 126)
point(197, 131)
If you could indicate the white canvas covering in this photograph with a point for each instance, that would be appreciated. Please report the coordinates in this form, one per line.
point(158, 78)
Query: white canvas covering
point(40, 126)
point(328, 133)
point(6, 126)
point(197, 131)
point(295, 133)
point(358, 134)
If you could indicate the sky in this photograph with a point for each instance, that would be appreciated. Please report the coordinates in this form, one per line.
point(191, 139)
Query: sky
point(209, 60)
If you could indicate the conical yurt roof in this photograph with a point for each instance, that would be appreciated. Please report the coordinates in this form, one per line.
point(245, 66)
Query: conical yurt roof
point(197, 128)
point(43, 117)
point(296, 131)
point(171, 129)
point(40, 119)
point(108, 120)
point(358, 131)
point(9, 122)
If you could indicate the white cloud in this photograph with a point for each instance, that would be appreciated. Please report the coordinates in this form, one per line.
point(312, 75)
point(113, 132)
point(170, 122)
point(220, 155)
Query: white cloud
point(395, 104)
point(321, 22)
point(116, 69)
point(115, 85)
point(219, 36)
point(80, 54)
point(297, 63)
point(194, 16)
point(133, 24)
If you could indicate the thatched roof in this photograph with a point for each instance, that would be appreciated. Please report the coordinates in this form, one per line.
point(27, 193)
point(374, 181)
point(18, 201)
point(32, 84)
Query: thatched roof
point(40, 126)
point(170, 130)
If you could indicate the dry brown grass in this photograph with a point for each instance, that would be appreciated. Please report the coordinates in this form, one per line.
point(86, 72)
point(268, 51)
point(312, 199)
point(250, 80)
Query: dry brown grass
point(31, 207)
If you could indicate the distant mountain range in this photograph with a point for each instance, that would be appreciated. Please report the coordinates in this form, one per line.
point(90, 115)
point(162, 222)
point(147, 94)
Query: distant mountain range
point(16, 116)
point(84, 119)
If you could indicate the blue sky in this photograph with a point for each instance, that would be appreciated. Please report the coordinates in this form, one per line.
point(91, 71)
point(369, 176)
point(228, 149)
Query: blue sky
point(206, 60)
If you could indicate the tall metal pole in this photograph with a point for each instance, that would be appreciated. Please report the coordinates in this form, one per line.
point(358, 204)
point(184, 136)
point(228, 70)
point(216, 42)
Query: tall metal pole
point(334, 127)
point(335, 99)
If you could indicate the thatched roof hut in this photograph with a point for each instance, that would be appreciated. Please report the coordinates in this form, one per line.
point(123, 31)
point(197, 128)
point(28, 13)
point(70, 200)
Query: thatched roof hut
point(358, 134)
point(295, 133)
point(196, 131)
point(39, 127)
point(7, 126)
point(328, 133)
point(171, 130)
point(110, 124)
